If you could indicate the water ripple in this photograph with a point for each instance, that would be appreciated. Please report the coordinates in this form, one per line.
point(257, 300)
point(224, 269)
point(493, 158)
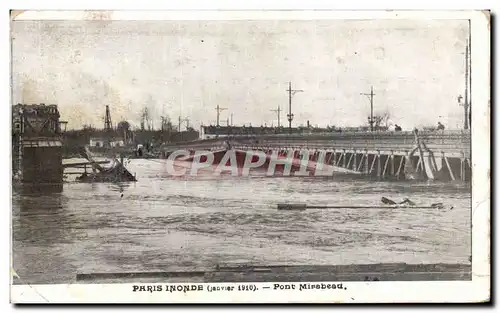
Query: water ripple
point(159, 222)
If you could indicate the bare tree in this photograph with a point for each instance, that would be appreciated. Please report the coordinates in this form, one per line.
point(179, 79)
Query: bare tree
point(166, 124)
point(381, 119)
point(145, 119)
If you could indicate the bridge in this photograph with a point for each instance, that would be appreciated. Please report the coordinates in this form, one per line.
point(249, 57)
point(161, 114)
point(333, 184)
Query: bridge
point(435, 155)
point(36, 145)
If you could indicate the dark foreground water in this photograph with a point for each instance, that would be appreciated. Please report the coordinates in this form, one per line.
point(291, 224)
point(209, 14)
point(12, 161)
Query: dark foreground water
point(163, 223)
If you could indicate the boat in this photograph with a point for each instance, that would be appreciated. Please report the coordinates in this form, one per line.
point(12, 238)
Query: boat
point(114, 172)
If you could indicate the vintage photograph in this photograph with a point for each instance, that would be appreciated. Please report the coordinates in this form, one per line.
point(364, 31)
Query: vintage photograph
point(241, 151)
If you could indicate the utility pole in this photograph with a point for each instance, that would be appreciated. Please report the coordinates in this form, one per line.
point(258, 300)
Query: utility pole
point(145, 119)
point(219, 109)
point(466, 97)
point(277, 111)
point(183, 120)
point(470, 75)
point(162, 128)
point(291, 92)
point(231, 119)
point(370, 119)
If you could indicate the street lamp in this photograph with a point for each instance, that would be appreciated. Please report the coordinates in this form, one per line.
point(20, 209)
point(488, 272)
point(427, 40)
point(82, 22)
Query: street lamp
point(290, 119)
point(370, 122)
point(465, 105)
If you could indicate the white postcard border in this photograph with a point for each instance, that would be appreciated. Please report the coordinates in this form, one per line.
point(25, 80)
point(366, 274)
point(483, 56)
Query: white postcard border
point(459, 291)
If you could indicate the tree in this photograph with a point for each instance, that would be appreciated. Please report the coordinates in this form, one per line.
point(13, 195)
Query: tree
point(166, 124)
point(123, 126)
point(88, 127)
point(146, 122)
point(381, 119)
point(123, 129)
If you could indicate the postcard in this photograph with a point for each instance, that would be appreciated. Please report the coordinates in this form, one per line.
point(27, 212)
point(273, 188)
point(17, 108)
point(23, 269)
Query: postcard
point(250, 156)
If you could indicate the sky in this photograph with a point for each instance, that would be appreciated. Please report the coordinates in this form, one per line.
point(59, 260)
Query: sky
point(187, 68)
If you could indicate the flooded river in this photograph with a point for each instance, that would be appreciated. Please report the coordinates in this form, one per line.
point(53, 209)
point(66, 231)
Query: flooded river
point(162, 223)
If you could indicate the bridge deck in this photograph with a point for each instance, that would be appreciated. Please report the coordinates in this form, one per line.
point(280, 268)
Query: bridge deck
point(451, 143)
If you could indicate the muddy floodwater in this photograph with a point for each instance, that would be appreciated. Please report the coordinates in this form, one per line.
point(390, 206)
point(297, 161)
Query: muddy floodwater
point(162, 223)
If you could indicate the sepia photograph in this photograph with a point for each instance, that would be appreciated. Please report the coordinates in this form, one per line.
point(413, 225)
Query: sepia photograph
point(242, 156)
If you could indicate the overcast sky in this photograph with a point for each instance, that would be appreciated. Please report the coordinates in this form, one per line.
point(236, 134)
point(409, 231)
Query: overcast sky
point(187, 68)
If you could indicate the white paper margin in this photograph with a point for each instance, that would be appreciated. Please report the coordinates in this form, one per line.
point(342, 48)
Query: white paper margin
point(477, 290)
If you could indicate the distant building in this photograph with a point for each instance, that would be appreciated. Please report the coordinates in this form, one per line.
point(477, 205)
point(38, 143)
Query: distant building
point(210, 132)
point(104, 142)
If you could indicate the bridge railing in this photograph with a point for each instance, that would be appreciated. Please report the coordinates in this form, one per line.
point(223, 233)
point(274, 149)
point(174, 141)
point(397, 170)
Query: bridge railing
point(351, 134)
point(359, 147)
point(457, 142)
point(444, 135)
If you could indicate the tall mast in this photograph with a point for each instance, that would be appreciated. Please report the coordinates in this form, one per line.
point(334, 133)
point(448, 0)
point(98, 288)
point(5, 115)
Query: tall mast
point(219, 109)
point(466, 97)
point(107, 120)
point(470, 75)
point(370, 95)
point(278, 110)
point(291, 92)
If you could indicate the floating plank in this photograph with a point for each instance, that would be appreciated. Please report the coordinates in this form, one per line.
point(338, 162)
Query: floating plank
point(81, 164)
point(302, 207)
point(291, 273)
